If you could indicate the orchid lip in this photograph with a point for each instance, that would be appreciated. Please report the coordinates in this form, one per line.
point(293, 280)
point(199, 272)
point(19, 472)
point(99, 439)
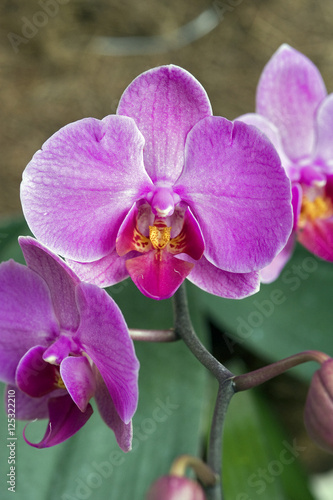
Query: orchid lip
point(157, 272)
point(159, 236)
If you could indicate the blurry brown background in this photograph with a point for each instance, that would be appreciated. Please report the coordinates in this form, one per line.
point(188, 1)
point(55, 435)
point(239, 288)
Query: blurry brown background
point(55, 73)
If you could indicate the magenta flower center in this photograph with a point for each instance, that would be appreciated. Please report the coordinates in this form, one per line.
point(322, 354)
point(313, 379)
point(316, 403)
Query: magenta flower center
point(152, 242)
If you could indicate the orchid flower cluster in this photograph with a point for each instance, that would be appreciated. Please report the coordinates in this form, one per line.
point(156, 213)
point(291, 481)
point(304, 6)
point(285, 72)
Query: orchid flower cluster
point(161, 191)
point(295, 112)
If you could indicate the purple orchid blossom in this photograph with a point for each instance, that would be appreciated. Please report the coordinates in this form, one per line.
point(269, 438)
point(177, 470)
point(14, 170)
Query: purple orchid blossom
point(295, 112)
point(61, 343)
point(161, 191)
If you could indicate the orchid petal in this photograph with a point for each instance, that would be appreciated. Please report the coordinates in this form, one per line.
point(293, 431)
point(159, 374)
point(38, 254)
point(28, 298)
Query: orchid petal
point(129, 237)
point(27, 408)
point(296, 201)
point(289, 92)
point(34, 376)
point(65, 420)
point(271, 131)
point(239, 193)
point(317, 237)
point(329, 187)
point(21, 292)
point(104, 272)
point(123, 432)
point(78, 378)
point(190, 240)
point(272, 271)
point(324, 133)
point(77, 189)
point(158, 274)
point(103, 335)
point(165, 102)
point(60, 280)
point(222, 283)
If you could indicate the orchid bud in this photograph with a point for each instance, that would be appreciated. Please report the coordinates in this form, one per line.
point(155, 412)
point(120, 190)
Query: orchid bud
point(318, 415)
point(175, 488)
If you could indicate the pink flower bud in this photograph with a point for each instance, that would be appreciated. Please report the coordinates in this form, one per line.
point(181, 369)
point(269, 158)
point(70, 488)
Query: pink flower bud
point(318, 415)
point(175, 488)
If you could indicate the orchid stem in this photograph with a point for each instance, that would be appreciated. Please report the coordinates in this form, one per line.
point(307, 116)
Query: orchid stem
point(153, 335)
point(185, 330)
point(228, 383)
point(214, 458)
point(257, 377)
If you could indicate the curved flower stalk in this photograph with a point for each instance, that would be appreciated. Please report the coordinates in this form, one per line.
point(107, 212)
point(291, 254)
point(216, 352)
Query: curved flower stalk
point(318, 413)
point(61, 343)
point(159, 192)
point(295, 112)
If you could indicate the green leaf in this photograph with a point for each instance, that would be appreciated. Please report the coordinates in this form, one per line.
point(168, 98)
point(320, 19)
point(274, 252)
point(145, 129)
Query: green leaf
point(259, 460)
point(290, 315)
point(10, 230)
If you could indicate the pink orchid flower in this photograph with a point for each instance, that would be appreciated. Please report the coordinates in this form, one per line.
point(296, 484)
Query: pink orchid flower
point(61, 343)
point(295, 112)
point(160, 192)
